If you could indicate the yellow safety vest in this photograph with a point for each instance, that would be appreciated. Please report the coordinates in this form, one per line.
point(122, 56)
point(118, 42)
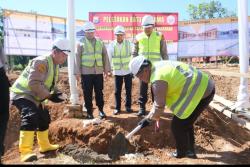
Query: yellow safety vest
point(21, 84)
point(92, 54)
point(121, 58)
point(149, 47)
point(186, 86)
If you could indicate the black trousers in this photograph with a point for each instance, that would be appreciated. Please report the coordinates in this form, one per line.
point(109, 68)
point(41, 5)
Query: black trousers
point(183, 129)
point(90, 82)
point(4, 107)
point(143, 97)
point(32, 117)
point(118, 88)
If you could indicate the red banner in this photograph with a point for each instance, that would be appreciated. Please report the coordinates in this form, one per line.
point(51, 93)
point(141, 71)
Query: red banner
point(105, 22)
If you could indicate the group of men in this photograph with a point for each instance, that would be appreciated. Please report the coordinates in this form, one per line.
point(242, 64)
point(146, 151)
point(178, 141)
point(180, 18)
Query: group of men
point(184, 89)
point(94, 61)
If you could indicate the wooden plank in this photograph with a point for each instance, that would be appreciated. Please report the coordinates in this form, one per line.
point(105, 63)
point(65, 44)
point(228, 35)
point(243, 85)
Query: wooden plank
point(219, 104)
point(227, 74)
point(220, 108)
point(220, 99)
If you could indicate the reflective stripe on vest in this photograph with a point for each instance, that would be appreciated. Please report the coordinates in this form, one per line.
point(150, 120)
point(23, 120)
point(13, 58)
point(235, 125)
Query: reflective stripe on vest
point(150, 46)
point(21, 84)
point(121, 58)
point(92, 54)
point(186, 86)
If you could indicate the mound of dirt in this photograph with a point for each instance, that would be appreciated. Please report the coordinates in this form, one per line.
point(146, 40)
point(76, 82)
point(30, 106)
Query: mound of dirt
point(219, 140)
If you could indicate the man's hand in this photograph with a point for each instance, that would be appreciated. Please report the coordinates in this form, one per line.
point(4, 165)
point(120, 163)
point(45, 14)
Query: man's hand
point(109, 74)
point(78, 77)
point(106, 75)
point(56, 97)
point(144, 122)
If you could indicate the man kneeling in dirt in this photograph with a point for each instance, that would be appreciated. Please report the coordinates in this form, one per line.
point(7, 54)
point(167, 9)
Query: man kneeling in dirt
point(28, 93)
point(185, 90)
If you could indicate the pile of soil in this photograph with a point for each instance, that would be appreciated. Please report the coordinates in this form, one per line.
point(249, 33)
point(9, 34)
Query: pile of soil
point(219, 140)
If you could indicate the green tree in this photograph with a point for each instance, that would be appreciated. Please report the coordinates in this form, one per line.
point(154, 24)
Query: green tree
point(21, 61)
point(212, 9)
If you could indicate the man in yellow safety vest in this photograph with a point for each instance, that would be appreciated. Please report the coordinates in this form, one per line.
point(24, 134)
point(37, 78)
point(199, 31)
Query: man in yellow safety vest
point(92, 63)
point(185, 90)
point(119, 56)
point(36, 84)
point(152, 45)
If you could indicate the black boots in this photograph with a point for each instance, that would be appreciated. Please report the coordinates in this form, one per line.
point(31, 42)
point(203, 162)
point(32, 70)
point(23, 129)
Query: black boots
point(90, 114)
point(188, 154)
point(102, 114)
point(191, 154)
point(129, 110)
point(116, 112)
point(141, 112)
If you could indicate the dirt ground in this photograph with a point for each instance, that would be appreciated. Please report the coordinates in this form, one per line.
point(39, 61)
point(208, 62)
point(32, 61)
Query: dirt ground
point(219, 140)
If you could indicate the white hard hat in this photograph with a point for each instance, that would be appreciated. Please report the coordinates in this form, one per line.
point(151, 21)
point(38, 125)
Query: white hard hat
point(62, 44)
point(135, 64)
point(119, 30)
point(148, 21)
point(89, 27)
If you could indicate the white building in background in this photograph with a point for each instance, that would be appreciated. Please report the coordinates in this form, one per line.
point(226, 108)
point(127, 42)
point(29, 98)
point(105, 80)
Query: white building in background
point(212, 37)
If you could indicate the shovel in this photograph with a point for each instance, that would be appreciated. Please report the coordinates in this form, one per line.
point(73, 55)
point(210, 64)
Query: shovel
point(120, 144)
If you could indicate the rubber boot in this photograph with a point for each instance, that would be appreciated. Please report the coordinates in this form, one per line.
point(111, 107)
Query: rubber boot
point(26, 141)
point(191, 142)
point(43, 141)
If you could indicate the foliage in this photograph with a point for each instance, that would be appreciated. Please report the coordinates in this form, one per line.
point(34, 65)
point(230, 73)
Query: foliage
point(205, 10)
point(21, 62)
point(18, 67)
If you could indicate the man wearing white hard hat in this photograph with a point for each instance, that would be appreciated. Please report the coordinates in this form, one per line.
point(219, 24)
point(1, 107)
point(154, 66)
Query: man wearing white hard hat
point(92, 63)
point(185, 90)
point(36, 84)
point(152, 45)
point(119, 56)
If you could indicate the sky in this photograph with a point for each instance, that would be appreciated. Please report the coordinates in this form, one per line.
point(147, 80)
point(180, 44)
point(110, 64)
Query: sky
point(83, 7)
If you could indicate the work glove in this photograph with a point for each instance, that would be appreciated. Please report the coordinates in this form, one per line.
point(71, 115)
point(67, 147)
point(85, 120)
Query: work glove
point(144, 122)
point(56, 97)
